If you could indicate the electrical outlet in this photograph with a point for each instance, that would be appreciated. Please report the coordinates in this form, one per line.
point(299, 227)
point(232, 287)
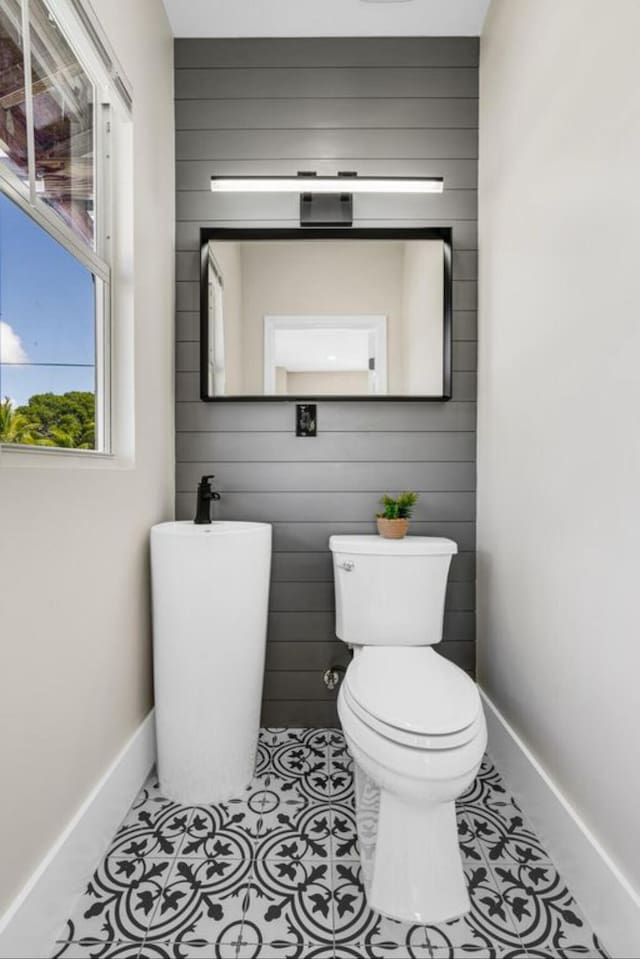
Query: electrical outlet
point(306, 419)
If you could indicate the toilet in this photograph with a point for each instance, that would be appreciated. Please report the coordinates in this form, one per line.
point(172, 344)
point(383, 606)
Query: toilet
point(413, 722)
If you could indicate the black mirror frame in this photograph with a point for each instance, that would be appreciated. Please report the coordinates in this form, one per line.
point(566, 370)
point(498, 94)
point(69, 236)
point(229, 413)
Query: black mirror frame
point(443, 233)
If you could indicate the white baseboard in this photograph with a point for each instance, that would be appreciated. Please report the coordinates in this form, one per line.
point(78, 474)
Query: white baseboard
point(608, 900)
point(30, 925)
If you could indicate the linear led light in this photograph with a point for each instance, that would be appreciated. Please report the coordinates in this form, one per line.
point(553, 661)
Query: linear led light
point(325, 184)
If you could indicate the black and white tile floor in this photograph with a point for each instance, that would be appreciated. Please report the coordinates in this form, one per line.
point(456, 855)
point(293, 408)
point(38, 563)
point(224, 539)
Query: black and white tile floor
point(275, 873)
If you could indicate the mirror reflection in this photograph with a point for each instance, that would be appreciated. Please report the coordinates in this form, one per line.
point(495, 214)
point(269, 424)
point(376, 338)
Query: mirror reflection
point(325, 317)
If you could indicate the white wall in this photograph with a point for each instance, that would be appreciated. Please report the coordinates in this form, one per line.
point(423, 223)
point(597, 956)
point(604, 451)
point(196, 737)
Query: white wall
point(75, 680)
point(422, 306)
point(338, 382)
point(559, 397)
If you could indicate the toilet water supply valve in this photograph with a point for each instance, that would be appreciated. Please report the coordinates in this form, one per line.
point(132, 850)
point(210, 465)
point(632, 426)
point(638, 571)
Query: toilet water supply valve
point(332, 676)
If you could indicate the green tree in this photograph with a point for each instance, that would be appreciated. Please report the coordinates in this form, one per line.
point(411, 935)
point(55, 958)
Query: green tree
point(15, 426)
point(66, 420)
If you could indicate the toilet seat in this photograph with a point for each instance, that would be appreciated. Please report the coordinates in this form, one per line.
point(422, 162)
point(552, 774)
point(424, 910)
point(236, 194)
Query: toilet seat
point(413, 696)
point(422, 741)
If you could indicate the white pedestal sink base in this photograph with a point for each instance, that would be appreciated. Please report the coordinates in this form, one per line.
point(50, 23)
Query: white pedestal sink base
point(210, 600)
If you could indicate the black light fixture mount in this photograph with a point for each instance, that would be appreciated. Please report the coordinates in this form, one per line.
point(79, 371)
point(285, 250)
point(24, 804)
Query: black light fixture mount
point(326, 209)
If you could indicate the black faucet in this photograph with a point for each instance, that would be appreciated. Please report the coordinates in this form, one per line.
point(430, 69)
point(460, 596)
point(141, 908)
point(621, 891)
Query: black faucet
point(205, 495)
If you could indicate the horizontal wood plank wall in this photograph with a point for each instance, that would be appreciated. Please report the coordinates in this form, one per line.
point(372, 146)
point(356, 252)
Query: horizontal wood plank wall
point(398, 107)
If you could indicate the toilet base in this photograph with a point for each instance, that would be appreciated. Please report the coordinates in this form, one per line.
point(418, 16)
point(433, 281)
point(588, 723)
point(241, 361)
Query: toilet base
point(410, 855)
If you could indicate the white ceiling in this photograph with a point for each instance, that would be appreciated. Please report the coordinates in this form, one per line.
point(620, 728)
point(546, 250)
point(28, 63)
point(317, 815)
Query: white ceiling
point(326, 18)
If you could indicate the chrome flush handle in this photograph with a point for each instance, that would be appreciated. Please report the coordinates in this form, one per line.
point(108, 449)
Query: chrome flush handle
point(348, 565)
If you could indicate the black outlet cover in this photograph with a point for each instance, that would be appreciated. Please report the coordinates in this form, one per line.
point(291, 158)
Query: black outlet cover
point(306, 419)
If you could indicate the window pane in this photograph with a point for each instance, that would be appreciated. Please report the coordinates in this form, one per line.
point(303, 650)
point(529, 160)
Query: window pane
point(48, 406)
point(47, 337)
point(63, 98)
point(13, 127)
point(47, 297)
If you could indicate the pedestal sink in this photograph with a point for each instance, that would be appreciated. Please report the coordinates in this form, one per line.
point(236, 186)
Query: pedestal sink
point(210, 587)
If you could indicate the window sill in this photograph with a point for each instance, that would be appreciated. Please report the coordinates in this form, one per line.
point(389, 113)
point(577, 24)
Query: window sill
point(43, 457)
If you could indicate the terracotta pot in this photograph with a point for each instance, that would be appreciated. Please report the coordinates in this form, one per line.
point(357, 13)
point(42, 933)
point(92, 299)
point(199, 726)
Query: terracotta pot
point(392, 528)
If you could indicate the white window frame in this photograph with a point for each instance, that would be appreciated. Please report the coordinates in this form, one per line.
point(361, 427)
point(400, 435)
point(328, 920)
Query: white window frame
point(376, 326)
point(112, 112)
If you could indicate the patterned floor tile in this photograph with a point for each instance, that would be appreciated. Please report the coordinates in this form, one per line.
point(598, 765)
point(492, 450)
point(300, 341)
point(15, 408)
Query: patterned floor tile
point(347, 952)
point(263, 756)
point(503, 835)
point(204, 899)
point(487, 787)
point(296, 832)
point(282, 794)
point(340, 768)
point(88, 949)
point(488, 926)
point(222, 950)
point(358, 926)
point(229, 829)
point(344, 833)
point(470, 849)
point(307, 737)
point(276, 873)
point(188, 948)
point(543, 910)
point(154, 826)
point(475, 953)
point(284, 950)
point(298, 758)
point(289, 902)
point(596, 949)
point(119, 901)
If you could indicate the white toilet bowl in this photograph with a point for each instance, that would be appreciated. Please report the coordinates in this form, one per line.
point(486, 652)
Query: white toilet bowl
point(413, 722)
point(406, 786)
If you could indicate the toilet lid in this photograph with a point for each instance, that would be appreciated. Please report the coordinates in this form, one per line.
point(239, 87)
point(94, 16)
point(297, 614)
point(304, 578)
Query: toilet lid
point(414, 689)
point(378, 545)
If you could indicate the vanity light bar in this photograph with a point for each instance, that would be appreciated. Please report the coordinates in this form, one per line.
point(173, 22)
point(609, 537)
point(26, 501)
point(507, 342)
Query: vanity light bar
point(326, 184)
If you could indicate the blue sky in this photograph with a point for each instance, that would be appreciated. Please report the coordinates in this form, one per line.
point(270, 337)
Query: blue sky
point(47, 338)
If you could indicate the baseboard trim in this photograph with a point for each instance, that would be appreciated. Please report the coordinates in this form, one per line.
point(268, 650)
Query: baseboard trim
point(32, 921)
point(608, 900)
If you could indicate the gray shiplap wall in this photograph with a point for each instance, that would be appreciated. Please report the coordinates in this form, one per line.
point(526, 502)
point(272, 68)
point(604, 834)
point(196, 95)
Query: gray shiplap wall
point(379, 106)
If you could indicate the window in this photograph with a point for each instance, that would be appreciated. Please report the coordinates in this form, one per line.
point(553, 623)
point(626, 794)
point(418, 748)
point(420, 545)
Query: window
point(47, 338)
point(58, 92)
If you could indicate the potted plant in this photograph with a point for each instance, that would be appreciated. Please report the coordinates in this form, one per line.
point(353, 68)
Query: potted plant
point(393, 522)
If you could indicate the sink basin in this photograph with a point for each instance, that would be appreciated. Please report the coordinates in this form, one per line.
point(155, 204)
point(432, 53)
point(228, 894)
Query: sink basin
point(210, 590)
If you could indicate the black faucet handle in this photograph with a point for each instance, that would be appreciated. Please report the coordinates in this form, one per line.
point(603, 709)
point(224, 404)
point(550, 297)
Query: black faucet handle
point(204, 496)
point(205, 486)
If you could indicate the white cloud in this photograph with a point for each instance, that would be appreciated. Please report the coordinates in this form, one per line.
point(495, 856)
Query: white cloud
point(11, 348)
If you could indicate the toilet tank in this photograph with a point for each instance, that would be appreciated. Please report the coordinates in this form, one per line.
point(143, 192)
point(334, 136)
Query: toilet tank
point(390, 592)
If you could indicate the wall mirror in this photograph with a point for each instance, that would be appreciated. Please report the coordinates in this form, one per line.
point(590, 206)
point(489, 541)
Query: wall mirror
point(325, 313)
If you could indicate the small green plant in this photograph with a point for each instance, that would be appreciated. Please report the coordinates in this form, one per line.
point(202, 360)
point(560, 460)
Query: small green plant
point(398, 507)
